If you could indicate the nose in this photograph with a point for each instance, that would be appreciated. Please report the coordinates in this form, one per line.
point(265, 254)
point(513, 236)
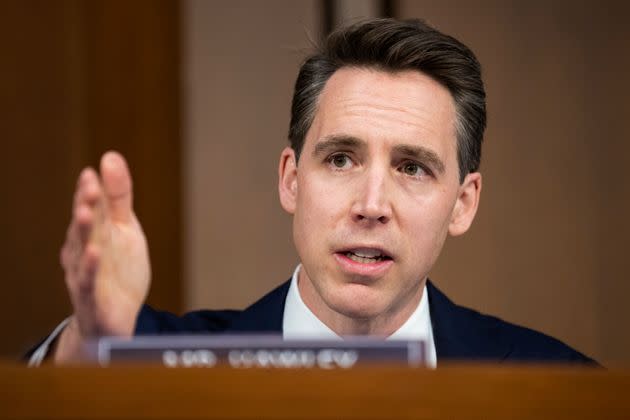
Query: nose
point(372, 202)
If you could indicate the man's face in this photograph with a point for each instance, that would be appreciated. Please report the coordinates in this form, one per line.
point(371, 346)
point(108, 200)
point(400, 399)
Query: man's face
point(375, 192)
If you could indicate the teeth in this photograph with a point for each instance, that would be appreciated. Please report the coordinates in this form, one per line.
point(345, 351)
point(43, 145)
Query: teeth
point(366, 253)
point(364, 260)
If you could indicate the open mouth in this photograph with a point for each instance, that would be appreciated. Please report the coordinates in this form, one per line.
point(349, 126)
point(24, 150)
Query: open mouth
point(366, 256)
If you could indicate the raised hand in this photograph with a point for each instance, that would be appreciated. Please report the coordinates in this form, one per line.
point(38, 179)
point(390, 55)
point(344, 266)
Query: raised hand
point(105, 258)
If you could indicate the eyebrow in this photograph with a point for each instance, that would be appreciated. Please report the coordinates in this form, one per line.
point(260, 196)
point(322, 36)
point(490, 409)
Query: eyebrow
point(421, 154)
point(334, 142)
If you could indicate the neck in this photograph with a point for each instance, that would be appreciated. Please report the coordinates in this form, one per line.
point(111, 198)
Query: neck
point(381, 324)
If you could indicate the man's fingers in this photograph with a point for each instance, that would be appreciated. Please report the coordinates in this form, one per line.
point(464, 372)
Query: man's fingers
point(87, 198)
point(84, 219)
point(88, 269)
point(117, 187)
point(88, 188)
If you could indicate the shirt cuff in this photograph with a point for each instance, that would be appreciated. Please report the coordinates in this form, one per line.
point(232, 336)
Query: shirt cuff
point(42, 351)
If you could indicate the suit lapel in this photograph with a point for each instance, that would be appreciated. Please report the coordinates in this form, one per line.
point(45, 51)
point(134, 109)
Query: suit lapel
point(264, 316)
point(463, 334)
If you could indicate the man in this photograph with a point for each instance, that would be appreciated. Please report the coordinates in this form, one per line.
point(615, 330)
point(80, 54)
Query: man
point(386, 129)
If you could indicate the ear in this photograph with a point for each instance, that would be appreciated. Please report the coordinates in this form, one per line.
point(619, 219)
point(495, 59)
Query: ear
point(287, 180)
point(466, 205)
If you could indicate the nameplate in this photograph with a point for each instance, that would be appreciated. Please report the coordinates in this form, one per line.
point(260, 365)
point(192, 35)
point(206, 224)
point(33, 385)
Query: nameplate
point(258, 352)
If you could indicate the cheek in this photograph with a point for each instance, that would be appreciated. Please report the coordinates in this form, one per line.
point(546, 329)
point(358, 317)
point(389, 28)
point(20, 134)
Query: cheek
point(320, 201)
point(318, 210)
point(427, 221)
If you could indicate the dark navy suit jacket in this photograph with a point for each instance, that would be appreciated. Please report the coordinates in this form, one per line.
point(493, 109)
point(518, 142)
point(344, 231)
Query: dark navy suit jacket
point(459, 333)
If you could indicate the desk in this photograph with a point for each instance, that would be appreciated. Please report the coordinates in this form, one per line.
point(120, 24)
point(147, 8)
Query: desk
point(450, 392)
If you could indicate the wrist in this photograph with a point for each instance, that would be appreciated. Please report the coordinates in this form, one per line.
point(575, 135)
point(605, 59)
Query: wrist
point(70, 346)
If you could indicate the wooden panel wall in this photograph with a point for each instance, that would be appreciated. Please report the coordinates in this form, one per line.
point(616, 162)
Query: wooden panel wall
point(78, 78)
point(241, 60)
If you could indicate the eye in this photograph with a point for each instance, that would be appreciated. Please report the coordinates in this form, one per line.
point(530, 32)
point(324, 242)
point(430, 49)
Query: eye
point(339, 161)
point(413, 169)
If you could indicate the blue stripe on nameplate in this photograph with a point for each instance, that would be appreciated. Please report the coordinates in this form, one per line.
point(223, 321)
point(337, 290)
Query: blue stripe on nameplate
point(258, 352)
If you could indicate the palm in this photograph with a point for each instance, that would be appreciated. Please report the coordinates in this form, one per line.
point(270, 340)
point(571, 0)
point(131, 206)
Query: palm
point(105, 256)
point(123, 277)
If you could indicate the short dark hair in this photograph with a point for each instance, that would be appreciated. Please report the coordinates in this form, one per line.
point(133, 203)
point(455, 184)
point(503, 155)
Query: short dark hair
point(395, 45)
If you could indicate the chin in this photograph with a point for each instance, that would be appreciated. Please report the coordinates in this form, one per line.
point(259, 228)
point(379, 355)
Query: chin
point(357, 302)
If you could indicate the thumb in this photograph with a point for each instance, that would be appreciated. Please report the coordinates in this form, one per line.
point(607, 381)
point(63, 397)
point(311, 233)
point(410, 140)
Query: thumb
point(117, 186)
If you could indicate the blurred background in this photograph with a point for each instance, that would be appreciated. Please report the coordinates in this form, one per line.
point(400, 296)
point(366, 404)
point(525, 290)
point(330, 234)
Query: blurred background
point(196, 94)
